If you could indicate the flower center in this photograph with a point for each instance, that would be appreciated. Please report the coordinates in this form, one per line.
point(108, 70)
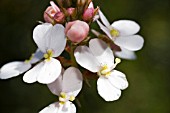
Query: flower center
point(48, 55)
point(114, 32)
point(104, 71)
point(63, 98)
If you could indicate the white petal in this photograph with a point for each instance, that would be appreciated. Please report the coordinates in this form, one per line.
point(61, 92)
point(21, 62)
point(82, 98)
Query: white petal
point(69, 107)
point(57, 108)
point(132, 43)
point(13, 69)
point(104, 19)
point(102, 52)
point(126, 27)
point(37, 56)
point(105, 29)
point(39, 34)
point(56, 86)
point(91, 5)
point(95, 18)
point(8, 74)
point(56, 39)
point(52, 108)
point(118, 79)
point(72, 81)
point(125, 54)
point(106, 90)
point(85, 58)
point(50, 37)
point(31, 75)
point(45, 72)
point(72, 108)
point(50, 71)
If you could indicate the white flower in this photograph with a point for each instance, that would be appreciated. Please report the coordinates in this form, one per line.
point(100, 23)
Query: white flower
point(98, 58)
point(122, 33)
point(51, 41)
point(67, 88)
point(15, 68)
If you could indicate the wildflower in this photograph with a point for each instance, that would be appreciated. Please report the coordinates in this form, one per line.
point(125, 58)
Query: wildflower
point(15, 68)
point(67, 87)
point(122, 33)
point(98, 58)
point(51, 41)
point(77, 31)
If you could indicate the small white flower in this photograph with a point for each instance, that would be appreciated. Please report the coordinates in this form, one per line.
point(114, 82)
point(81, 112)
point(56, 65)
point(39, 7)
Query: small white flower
point(15, 68)
point(51, 41)
point(122, 33)
point(98, 58)
point(67, 87)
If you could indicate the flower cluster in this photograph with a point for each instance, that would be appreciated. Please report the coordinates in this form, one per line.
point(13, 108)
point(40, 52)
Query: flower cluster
point(66, 29)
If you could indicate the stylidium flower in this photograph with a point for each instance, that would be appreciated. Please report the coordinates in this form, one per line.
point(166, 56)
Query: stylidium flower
point(77, 31)
point(123, 33)
point(15, 68)
point(67, 87)
point(51, 41)
point(98, 58)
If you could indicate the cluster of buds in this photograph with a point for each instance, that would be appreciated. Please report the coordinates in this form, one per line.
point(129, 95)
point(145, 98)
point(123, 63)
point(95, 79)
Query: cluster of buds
point(68, 10)
point(76, 16)
point(66, 29)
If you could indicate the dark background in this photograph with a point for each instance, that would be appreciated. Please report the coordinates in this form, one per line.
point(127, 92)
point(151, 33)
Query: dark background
point(148, 76)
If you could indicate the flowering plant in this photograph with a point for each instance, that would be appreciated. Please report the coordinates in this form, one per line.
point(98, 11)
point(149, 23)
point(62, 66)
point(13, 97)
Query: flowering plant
point(66, 29)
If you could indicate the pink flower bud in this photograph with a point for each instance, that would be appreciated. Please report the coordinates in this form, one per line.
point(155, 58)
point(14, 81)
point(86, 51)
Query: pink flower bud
point(59, 17)
point(70, 11)
point(77, 31)
point(88, 14)
point(50, 12)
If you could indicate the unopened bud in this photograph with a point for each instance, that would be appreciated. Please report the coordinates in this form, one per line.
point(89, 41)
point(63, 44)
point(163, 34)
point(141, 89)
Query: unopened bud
point(50, 12)
point(77, 31)
point(59, 17)
point(88, 14)
point(70, 11)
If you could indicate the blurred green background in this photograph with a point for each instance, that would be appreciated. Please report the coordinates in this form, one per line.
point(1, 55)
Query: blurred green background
point(148, 76)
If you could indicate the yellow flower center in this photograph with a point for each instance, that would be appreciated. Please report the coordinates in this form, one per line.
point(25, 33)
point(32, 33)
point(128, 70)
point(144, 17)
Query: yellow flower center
point(63, 98)
point(63, 95)
point(114, 32)
point(72, 98)
point(48, 55)
point(104, 71)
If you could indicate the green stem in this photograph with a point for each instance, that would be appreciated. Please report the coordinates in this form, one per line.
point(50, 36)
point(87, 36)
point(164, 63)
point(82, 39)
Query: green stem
point(73, 60)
